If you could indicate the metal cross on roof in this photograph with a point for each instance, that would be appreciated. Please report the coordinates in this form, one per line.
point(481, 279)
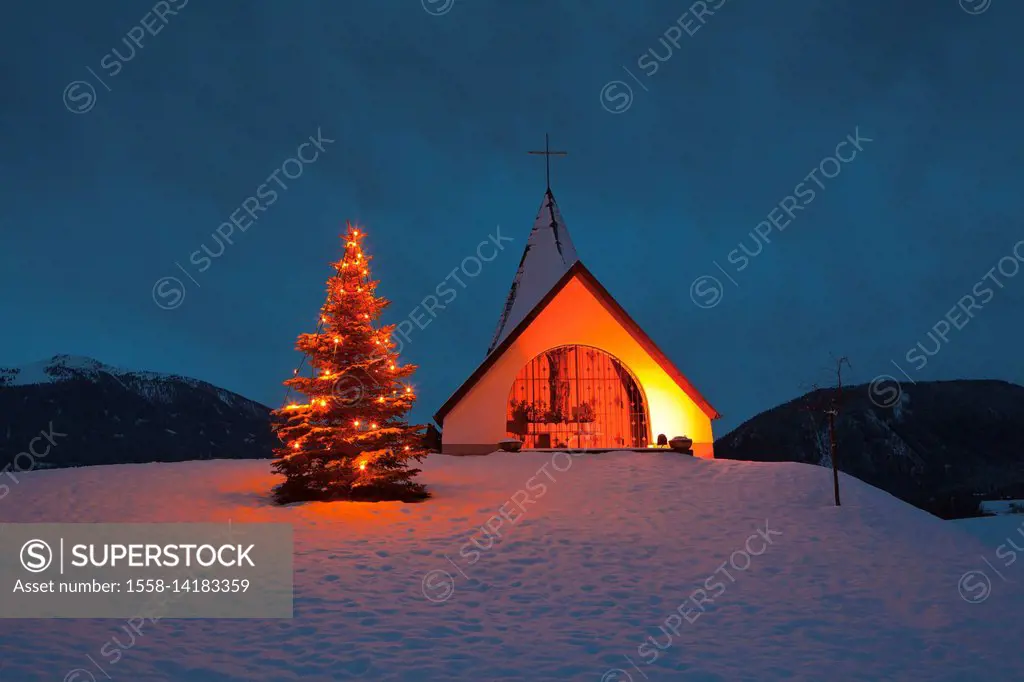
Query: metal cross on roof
point(547, 158)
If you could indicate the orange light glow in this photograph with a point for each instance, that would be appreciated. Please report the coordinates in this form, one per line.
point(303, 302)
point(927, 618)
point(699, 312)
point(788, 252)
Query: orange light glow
point(362, 466)
point(577, 316)
point(295, 445)
point(391, 366)
point(380, 399)
point(373, 426)
point(323, 403)
point(337, 339)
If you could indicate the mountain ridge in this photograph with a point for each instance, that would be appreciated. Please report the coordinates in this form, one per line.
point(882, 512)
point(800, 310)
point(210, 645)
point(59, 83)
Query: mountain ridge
point(943, 446)
point(115, 416)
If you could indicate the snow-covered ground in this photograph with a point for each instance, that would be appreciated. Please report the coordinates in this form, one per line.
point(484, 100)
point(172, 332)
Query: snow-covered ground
point(594, 578)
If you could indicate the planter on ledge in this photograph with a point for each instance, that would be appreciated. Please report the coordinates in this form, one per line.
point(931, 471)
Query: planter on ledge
point(510, 445)
point(682, 444)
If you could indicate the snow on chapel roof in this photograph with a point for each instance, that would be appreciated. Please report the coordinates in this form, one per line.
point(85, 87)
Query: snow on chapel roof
point(548, 255)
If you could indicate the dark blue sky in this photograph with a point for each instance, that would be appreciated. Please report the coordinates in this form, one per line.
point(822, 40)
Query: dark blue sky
point(432, 116)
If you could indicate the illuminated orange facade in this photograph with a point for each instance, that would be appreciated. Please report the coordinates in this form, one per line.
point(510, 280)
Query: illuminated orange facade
point(577, 397)
point(574, 372)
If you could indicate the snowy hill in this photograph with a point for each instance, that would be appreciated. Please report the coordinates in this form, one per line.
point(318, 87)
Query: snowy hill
point(943, 446)
point(599, 565)
point(112, 416)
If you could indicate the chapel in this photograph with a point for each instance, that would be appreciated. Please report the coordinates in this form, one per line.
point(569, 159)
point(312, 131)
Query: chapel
point(568, 368)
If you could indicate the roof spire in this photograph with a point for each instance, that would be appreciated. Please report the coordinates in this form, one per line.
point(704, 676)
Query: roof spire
point(547, 159)
point(548, 255)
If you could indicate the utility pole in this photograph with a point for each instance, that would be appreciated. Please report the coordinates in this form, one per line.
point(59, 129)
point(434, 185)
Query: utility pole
point(833, 410)
point(830, 403)
point(832, 443)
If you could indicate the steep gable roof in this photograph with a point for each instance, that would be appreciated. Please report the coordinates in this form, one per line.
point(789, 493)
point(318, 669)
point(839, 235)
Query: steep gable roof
point(616, 311)
point(549, 253)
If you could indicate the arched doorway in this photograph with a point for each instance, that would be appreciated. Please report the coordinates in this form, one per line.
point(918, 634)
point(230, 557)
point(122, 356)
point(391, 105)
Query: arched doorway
point(577, 397)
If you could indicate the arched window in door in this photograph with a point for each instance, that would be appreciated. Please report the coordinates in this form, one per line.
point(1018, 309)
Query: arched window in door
point(577, 397)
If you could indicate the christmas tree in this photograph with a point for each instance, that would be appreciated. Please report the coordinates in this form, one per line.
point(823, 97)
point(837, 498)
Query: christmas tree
point(350, 440)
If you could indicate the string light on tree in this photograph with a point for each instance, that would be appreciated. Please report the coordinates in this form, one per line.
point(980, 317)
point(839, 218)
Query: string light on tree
point(355, 445)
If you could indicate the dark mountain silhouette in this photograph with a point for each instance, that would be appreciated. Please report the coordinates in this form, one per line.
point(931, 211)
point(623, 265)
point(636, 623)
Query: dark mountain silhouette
point(943, 446)
point(113, 416)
